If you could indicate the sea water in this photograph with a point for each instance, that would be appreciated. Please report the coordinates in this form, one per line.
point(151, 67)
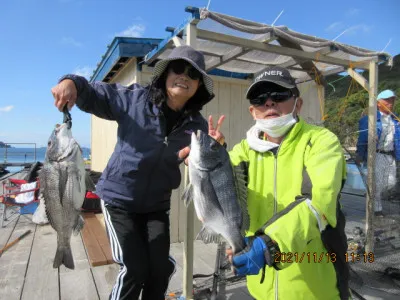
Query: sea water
point(27, 155)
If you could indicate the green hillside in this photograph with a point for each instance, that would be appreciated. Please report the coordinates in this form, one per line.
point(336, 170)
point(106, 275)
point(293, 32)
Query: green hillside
point(346, 101)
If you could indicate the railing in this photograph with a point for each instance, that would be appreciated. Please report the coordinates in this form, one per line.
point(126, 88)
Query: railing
point(12, 158)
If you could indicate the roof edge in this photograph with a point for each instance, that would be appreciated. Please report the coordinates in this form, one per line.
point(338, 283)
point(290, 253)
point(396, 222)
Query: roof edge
point(138, 47)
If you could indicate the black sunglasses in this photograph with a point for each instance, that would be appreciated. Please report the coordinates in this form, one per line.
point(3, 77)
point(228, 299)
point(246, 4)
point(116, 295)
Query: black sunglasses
point(275, 96)
point(179, 67)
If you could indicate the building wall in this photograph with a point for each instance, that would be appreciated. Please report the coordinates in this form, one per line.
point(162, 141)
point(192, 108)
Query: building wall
point(104, 132)
point(313, 102)
point(229, 100)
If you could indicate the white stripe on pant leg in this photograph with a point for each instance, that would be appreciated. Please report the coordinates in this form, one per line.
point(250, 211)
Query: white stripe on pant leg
point(116, 252)
point(171, 259)
point(114, 246)
point(116, 249)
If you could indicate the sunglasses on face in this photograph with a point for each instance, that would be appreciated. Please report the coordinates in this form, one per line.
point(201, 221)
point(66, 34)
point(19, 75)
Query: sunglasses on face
point(274, 96)
point(180, 67)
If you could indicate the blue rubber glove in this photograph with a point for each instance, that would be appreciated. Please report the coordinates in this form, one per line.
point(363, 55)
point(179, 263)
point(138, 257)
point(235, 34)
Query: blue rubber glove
point(251, 259)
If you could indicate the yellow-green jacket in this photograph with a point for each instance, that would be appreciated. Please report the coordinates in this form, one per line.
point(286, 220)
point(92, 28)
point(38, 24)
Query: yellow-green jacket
point(274, 181)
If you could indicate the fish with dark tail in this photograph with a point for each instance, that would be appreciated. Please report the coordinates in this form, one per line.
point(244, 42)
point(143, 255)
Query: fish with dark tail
point(62, 181)
point(218, 191)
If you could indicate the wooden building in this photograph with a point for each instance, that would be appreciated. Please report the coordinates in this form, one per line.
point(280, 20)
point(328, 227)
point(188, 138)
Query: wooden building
point(235, 50)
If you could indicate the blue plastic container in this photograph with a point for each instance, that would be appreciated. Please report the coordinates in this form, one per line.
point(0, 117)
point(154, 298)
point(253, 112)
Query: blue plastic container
point(28, 209)
point(354, 179)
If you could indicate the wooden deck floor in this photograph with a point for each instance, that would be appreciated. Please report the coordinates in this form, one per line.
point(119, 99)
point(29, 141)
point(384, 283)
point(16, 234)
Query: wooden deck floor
point(26, 269)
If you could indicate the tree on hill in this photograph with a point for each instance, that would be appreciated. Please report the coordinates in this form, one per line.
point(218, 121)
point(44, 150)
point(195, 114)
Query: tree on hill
point(346, 101)
point(2, 145)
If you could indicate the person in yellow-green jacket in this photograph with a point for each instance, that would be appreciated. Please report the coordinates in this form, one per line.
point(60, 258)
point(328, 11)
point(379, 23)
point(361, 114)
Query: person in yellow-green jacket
point(296, 242)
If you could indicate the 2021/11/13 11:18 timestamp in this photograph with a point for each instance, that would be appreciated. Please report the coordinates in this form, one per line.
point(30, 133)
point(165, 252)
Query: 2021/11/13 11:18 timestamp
point(357, 257)
point(313, 257)
point(300, 257)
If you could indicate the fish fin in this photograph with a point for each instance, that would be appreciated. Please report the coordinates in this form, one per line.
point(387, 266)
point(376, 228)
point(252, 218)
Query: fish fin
point(188, 194)
point(89, 183)
point(45, 190)
point(240, 173)
point(75, 187)
point(64, 256)
point(207, 235)
point(62, 184)
point(79, 224)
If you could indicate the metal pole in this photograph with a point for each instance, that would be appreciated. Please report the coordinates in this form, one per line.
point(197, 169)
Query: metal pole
point(188, 247)
point(188, 242)
point(370, 205)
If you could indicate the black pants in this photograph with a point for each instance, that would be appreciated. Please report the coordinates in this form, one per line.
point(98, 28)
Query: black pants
point(140, 245)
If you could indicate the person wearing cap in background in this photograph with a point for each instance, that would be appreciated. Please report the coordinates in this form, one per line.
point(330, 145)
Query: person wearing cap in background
point(295, 174)
point(387, 148)
point(154, 125)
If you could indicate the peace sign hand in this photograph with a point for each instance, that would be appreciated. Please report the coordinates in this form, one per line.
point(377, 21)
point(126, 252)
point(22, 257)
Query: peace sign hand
point(215, 133)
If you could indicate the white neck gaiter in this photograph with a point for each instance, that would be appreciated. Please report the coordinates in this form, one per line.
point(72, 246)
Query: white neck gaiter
point(257, 144)
point(277, 127)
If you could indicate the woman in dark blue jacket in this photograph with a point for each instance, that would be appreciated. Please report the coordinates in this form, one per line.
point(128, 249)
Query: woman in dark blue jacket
point(155, 123)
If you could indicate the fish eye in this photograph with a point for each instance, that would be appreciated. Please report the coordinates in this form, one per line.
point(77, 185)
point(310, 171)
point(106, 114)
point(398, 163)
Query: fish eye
point(214, 145)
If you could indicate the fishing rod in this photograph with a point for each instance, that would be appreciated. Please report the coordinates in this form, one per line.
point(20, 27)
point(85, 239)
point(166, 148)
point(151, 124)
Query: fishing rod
point(14, 242)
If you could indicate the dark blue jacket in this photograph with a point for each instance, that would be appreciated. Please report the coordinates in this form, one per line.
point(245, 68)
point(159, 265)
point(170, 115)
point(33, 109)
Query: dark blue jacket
point(144, 167)
point(362, 143)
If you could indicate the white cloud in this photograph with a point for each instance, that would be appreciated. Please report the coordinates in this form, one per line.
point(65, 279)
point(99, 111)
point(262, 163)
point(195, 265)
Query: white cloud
point(334, 26)
point(352, 12)
point(6, 108)
point(85, 71)
point(355, 29)
point(358, 28)
point(136, 30)
point(69, 41)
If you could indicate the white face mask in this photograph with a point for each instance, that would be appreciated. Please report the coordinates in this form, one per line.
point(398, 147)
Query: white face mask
point(277, 127)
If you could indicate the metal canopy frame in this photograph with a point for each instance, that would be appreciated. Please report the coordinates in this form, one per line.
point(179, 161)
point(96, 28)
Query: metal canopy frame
point(305, 56)
point(304, 61)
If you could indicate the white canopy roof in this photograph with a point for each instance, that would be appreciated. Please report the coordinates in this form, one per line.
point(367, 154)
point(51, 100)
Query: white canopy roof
point(245, 47)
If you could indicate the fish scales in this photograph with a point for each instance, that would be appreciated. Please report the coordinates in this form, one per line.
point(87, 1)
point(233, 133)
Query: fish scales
point(219, 203)
point(63, 187)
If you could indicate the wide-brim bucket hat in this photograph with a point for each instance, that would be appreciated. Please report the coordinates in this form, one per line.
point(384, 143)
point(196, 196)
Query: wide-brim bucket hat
point(192, 56)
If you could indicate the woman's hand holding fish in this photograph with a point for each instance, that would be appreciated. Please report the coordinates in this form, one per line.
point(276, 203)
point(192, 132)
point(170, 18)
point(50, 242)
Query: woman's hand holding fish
point(184, 154)
point(64, 92)
point(215, 133)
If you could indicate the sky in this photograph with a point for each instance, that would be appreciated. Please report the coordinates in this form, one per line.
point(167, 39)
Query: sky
point(41, 40)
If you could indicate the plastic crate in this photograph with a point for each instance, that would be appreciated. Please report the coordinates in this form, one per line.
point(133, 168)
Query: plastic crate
point(91, 203)
point(29, 209)
point(354, 179)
